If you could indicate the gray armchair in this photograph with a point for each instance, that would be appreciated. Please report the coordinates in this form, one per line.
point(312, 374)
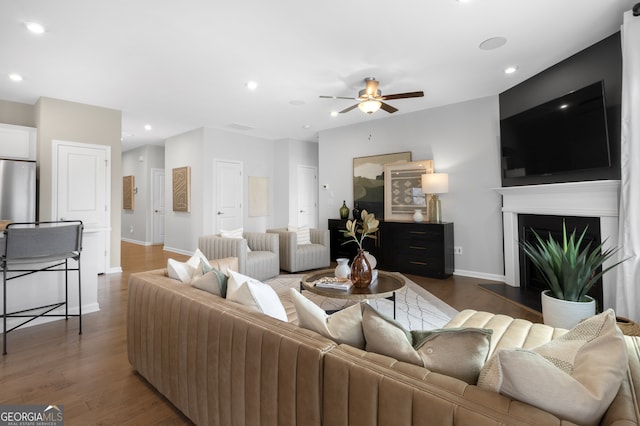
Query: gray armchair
point(295, 258)
point(261, 263)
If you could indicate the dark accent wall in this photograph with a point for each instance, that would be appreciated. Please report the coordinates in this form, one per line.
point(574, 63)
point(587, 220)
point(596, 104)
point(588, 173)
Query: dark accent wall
point(601, 61)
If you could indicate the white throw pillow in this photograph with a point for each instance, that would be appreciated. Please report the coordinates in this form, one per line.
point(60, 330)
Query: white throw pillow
point(259, 296)
point(231, 233)
point(234, 233)
point(344, 326)
point(186, 271)
point(574, 377)
point(303, 234)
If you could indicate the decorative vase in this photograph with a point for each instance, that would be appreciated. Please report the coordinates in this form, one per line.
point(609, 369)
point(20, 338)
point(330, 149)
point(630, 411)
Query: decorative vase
point(563, 313)
point(360, 271)
point(342, 270)
point(417, 216)
point(356, 212)
point(344, 211)
point(372, 260)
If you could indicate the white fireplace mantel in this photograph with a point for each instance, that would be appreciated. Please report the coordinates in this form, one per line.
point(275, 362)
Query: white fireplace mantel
point(588, 199)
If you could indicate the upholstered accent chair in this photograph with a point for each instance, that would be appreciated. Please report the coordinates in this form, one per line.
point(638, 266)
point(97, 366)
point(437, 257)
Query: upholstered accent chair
point(296, 257)
point(260, 262)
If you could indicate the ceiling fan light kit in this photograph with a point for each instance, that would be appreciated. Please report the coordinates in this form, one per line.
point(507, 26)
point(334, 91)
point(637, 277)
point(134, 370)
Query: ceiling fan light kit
point(371, 98)
point(369, 106)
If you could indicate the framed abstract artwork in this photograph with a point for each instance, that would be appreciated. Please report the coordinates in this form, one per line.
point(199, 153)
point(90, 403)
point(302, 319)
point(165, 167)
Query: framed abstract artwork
point(403, 189)
point(128, 200)
point(368, 180)
point(182, 189)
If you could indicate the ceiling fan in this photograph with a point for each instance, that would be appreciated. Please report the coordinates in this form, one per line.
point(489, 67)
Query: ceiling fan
point(370, 98)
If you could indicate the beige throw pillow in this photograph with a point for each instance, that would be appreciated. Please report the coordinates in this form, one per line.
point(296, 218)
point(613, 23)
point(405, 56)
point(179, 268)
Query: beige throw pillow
point(344, 326)
point(574, 377)
point(213, 281)
point(456, 352)
point(252, 293)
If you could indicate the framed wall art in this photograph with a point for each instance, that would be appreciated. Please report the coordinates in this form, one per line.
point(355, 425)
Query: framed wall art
point(182, 189)
point(368, 180)
point(258, 196)
point(128, 199)
point(403, 189)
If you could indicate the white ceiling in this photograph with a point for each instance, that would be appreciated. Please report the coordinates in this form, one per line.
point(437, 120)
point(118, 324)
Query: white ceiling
point(180, 65)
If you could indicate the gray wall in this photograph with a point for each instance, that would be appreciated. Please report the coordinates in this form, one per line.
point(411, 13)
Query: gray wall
point(462, 139)
point(136, 223)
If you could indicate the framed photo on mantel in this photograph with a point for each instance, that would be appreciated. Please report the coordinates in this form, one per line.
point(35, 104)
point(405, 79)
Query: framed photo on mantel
point(403, 190)
point(368, 180)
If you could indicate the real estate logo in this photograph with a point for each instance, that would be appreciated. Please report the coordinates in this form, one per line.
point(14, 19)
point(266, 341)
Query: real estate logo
point(31, 415)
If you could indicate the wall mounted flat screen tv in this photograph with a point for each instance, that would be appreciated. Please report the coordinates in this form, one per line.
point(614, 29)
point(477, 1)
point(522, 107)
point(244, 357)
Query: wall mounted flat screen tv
point(563, 135)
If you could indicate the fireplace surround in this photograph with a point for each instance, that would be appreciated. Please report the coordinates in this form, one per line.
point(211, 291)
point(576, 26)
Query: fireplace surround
point(595, 199)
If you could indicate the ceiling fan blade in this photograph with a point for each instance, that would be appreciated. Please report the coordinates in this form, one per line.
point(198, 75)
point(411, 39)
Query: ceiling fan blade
point(349, 109)
point(403, 95)
point(337, 97)
point(388, 108)
point(372, 86)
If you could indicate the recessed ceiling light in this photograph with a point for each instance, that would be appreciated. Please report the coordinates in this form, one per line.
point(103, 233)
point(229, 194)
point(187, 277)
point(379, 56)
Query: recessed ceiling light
point(334, 113)
point(464, 1)
point(15, 77)
point(147, 127)
point(563, 106)
point(306, 126)
point(252, 85)
point(34, 27)
point(510, 70)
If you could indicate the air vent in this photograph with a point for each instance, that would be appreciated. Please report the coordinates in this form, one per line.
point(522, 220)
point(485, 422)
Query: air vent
point(237, 126)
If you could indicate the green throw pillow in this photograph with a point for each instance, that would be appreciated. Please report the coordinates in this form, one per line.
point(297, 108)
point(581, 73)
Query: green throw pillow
point(455, 352)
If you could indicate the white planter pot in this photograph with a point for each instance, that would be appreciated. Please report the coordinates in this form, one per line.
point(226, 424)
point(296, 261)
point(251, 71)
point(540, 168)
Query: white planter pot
point(563, 313)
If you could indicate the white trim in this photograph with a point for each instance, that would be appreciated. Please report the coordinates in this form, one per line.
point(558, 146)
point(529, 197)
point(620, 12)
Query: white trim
point(585, 199)
point(480, 275)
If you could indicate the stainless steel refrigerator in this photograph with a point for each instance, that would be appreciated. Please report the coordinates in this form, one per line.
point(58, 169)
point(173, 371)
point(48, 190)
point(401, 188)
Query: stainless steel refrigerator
point(17, 190)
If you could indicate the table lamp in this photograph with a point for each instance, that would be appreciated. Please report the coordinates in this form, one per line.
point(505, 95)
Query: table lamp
point(434, 184)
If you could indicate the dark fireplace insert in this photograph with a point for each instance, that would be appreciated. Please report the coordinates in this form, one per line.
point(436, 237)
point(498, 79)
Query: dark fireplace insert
point(531, 282)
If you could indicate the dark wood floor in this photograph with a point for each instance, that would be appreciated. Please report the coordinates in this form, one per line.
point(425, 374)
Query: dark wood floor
point(90, 374)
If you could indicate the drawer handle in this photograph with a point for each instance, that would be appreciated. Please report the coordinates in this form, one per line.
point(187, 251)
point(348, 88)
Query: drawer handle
point(417, 248)
point(419, 263)
point(417, 232)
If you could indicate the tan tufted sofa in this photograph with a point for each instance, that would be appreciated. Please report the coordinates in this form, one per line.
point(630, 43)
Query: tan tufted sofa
point(223, 365)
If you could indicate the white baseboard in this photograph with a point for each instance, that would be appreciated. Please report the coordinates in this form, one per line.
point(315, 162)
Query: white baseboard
point(138, 242)
point(481, 275)
point(179, 251)
point(86, 309)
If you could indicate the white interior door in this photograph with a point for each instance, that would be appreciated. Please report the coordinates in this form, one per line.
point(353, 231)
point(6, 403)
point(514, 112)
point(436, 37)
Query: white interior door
point(228, 195)
point(307, 196)
point(81, 191)
point(157, 206)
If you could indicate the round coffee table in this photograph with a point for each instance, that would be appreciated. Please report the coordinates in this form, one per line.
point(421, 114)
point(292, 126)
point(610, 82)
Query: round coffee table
point(384, 287)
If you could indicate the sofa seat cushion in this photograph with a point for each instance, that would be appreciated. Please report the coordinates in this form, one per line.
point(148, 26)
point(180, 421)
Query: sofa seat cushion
point(575, 376)
point(508, 332)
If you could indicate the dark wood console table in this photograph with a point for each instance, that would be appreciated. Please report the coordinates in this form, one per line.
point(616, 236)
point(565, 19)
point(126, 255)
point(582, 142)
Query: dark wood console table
point(424, 249)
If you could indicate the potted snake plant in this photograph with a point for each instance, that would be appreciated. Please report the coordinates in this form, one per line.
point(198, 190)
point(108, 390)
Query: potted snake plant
point(570, 271)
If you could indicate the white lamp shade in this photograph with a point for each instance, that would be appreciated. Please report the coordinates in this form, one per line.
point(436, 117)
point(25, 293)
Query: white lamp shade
point(370, 106)
point(435, 183)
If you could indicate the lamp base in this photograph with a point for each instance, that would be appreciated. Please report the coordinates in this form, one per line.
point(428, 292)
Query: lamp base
point(435, 210)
